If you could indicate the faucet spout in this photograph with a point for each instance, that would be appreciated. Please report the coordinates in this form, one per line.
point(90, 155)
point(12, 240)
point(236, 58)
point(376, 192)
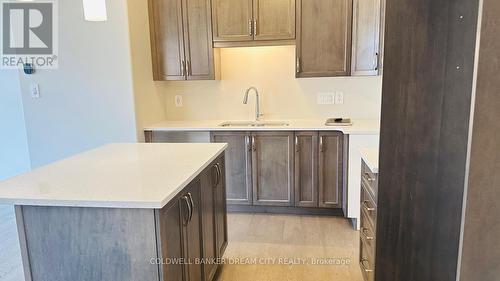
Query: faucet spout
point(257, 101)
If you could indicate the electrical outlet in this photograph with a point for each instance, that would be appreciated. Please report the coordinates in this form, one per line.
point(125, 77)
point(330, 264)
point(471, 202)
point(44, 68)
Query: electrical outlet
point(178, 101)
point(325, 98)
point(339, 98)
point(35, 91)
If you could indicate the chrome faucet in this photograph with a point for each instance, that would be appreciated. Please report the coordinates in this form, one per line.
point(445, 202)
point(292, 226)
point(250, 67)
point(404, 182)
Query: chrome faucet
point(257, 101)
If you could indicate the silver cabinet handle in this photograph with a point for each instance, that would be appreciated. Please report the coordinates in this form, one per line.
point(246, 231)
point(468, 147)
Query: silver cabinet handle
point(321, 145)
point(255, 32)
point(214, 176)
point(186, 200)
point(365, 206)
point(249, 146)
point(364, 267)
point(183, 67)
point(364, 232)
point(189, 71)
point(254, 147)
point(297, 146)
point(219, 173)
point(297, 67)
point(250, 27)
point(192, 206)
point(368, 177)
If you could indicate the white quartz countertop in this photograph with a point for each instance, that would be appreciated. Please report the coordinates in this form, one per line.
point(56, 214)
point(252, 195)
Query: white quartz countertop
point(370, 156)
point(113, 176)
point(359, 126)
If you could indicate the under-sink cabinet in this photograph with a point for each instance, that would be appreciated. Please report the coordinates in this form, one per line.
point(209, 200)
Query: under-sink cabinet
point(284, 171)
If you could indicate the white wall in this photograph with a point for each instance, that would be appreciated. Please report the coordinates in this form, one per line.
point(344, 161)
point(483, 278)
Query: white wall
point(88, 101)
point(14, 155)
point(271, 70)
point(149, 102)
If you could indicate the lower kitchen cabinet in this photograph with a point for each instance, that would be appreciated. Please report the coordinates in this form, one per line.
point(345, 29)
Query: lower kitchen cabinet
point(214, 219)
point(277, 169)
point(306, 169)
point(330, 169)
point(180, 236)
point(238, 166)
point(272, 168)
point(193, 228)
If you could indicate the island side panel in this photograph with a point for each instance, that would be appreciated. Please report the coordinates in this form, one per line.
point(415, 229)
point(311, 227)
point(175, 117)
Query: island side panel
point(63, 243)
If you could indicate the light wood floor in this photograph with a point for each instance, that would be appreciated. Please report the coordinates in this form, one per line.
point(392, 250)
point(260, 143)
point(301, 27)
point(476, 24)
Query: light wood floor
point(10, 255)
point(252, 238)
point(290, 237)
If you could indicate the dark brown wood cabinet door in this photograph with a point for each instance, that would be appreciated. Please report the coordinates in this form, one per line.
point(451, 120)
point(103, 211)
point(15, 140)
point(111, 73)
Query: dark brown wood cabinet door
point(323, 38)
point(272, 168)
point(330, 169)
point(306, 169)
point(192, 233)
point(221, 209)
point(232, 20)
point(274, 19)
point(167, 41)
point(198, 40)
point(208, 213)
point(365, 37)
point(238, 166)
point(171, 220)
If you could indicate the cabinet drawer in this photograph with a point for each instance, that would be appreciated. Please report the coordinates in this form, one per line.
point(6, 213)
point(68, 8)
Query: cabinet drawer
point(368, 206)
point(367, 233)
point(370, 180)
point(366, 261)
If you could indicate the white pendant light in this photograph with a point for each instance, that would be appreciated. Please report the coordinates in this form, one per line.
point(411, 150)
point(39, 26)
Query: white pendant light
point(95, 10)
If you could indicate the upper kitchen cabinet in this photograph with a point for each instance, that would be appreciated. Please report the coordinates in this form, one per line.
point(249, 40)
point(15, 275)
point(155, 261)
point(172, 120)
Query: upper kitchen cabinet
point(323, 38)
point(253, 23)
point(181, 40)
point(366, 37)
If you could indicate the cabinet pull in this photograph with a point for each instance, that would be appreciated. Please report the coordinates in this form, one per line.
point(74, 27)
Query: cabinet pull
point(365, 206)
point(186, 200)
point(250, 27)
point(254, 147)
point(255, 32)
point(189, 71)
point(214, 175)
point(364, 232)
point(249, 147)
point(217, 174)
point(297, 67)
point(219, 171)
point(297, 146)
point(183, 68)
point(377, 61)
point(321, 145)
point(364, 267)
point(368, 177)
point(192, 206)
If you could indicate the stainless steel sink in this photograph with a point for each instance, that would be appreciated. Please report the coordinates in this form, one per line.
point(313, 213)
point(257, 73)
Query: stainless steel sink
point(254, 124)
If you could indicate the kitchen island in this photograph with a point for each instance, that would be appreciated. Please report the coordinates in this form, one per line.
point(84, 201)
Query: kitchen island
point(123, 212)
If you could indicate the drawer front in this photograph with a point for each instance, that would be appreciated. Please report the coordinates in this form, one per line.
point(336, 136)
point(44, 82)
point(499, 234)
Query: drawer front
point(368, 206)
point(366, 261)
point(370, 180)
point(367, 233)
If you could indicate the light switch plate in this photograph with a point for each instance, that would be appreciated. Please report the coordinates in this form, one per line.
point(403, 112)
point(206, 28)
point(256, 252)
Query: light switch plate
point(35, 91)
point(178, 101)
point(339, 98)
point(326, 98)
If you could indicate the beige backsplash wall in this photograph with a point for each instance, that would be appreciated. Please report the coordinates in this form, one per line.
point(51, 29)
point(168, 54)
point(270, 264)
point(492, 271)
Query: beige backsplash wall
point(271, 70)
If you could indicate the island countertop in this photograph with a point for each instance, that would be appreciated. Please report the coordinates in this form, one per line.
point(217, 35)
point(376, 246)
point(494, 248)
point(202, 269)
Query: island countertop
point(113, 176)
point(370, 156)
